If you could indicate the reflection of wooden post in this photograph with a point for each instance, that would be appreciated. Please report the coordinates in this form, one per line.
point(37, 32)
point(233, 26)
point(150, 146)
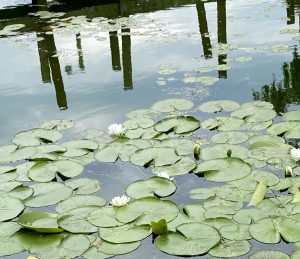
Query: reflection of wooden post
point(80, 54)
point(126, 58)
point(44, 60)
point(203, 28)
point(56, 72)
point(290, 11)
point(222, 34)
point(40, 3)
point(114, 50)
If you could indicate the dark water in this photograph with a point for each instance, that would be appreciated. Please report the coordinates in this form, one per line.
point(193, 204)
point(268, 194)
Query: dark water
point(105, 67)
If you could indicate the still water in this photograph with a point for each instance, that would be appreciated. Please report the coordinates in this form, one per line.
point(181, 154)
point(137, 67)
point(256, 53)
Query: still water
point(95, 61)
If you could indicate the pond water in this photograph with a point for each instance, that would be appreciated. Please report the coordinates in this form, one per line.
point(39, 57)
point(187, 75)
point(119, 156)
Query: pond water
point(93, 62)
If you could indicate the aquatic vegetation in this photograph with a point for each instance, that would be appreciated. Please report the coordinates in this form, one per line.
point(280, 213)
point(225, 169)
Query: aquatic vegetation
point(243, 153)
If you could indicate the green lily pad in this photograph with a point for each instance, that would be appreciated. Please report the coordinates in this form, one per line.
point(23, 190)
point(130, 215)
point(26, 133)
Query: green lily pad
point(291, 116)
point(269, 230)
point(254, 114)
point(145, 210)
point(35, 137)
point(46, 171)
point(93, 134)
point(183, 166)
point(191, 239)
point(154, 186)
point(223, 169)
point(158, 156)
point(230, 248)
point(148, 133)
point(10, 208)
point(235, 232)
point(230, 137)
point(93, 253)
point(77, 201)
point(138, 123)
point(60, 246)
point(277, 206)
point(57, 124)
point(247, 216)
point(48, 152)
point(220, 151)
point(40, 221)
point(83, 186)
point(22, 171)
point(43, 194)
point(104, 217)
point(205, 80)
point(12, 153)
point(180, 124)
point(218, 106)
point(290, 129)
point(81, 147)
point(125, 234)
point(243, 59)
point(75, 220)
point(183, 147)
point(266, 139)
point(142, 113)
point(195, 212)
point(111, 154)
point(269, 254)
point(171, 105)
point(202, 193)
point(222, 123)
point(219, 212)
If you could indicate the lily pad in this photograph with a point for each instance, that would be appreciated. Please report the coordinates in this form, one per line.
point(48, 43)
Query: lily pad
point(104, 217)
point(154, 186)
point(77, 201)
point(222, 123)
point(180, 124)
point(57, 124)
point(157, 156)
point(223, 169)
point(138, 123)
point(218, 106)
point(230, 137)
point(12, 153)
point(230, 248)
point(254, 114)
point(145, 210)
point(220, 151)
point(111, 154)
point(46, 171)
point(289, 129)
point(43, 194)
point(182, 146)
point(77, 148)
point(40, 221)
point(269, 254)
point(191, 239)
point(247, 216)
point(235, 232)
point(84, 186)
point(171, 105)
point(142, 113)
point(125, 234)
point(35, 137)
point(10, 208)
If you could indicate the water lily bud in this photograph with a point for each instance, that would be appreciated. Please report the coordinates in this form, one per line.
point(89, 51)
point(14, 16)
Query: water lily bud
point(229, 152)
point(295, 153)
point(197, 150)
point(288, 171)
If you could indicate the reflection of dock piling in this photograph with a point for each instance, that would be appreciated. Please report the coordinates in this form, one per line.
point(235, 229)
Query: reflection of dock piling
point(126, 59)
point(114, 50)
point(290, 11)
point(80, 53)
point(222, 34)
point(203, 28)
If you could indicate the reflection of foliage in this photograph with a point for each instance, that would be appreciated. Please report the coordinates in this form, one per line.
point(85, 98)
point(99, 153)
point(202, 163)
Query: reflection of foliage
point(286, 91)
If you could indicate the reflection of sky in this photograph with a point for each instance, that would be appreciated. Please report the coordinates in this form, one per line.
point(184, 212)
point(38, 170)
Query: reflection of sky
point(96, 97)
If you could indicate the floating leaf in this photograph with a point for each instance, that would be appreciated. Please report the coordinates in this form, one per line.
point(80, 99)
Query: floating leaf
point(171, 105)
point(157, 156)
point(221, 151)
point(223, 169)
point(84, 186)
point(202, 193)
point(259, 194)
point(43, 194)
point(246, 216)
point(206, 80)
point(235, 232)
point(104, 217)
point(160, 227)
point(190, 240)
point(57, 124)
point(125, 234)
point(254, 114)
point(269, 254)
point(180, 124)
point(148, 133)
point(277, 206)
point(77, 201)
point(230, 248)
point(40, 221)
point(230, 137)
point(290, 129)
point(46, 171)
point(79, 147)
point(183, 166)
point(145, 210)
point(12, 153)
point(138, 123)
point(111, 154)
point(10, 208)
point(154, 186)
point(142, 113)
point(35, 137)
point(182, 146)
point(218, 106)
point(222, 123)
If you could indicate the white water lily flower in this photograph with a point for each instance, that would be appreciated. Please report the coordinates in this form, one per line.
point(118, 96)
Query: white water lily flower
point(120, 201)
point(295, 153)
point(115, 129)
point(165, 175)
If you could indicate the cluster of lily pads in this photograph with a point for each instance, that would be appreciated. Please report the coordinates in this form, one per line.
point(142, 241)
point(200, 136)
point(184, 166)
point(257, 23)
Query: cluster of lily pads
point(255, 194)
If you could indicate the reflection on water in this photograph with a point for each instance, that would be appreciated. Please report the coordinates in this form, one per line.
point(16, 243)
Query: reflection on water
point(282, 93)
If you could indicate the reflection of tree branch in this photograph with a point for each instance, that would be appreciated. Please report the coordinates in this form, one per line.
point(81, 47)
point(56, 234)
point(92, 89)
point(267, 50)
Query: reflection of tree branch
point(286, 91)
